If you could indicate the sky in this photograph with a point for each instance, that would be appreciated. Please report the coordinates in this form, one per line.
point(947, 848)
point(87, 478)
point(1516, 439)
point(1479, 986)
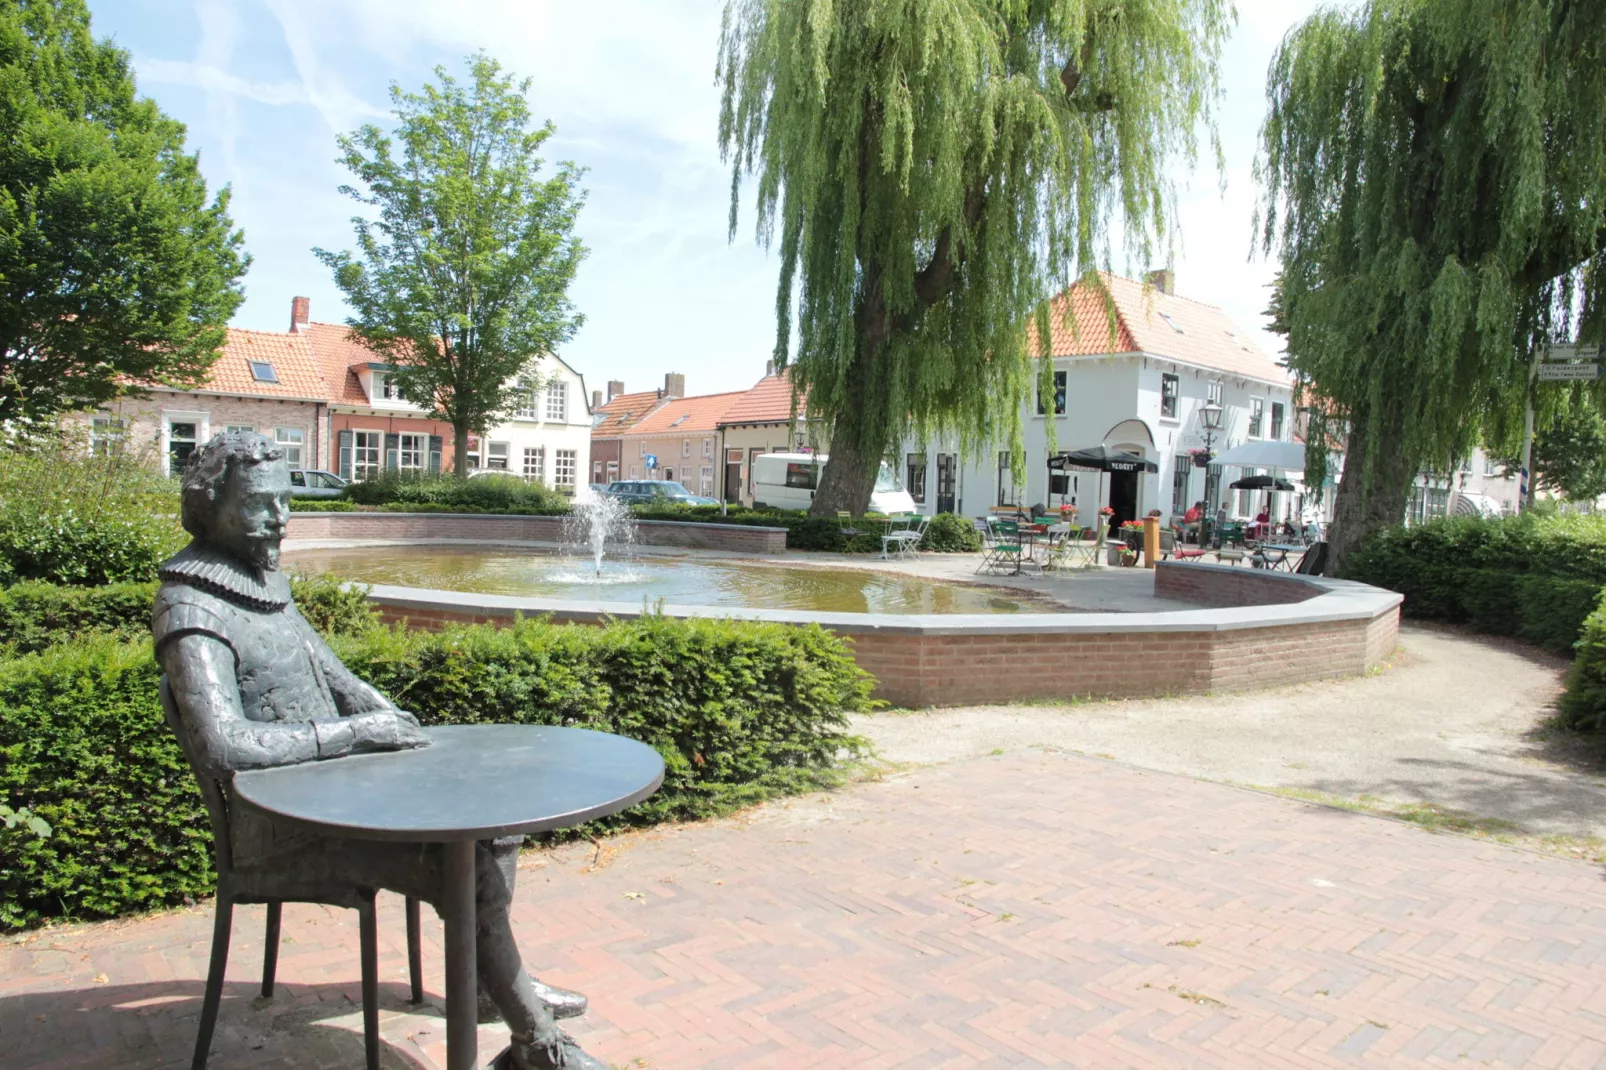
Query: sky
point(265, 86)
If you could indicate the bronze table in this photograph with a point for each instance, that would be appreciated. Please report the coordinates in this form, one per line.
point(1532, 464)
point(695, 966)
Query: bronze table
point(476, 782)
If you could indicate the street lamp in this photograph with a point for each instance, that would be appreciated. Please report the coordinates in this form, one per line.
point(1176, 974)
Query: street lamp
point(1210, 414)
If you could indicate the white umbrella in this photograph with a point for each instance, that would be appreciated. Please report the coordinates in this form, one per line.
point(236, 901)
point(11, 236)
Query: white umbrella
point(1265, 453)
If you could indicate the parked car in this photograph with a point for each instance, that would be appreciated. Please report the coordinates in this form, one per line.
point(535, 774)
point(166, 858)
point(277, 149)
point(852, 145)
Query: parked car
point(598, 488)
point(788, 480)
point(314, 483)
point(655, 492)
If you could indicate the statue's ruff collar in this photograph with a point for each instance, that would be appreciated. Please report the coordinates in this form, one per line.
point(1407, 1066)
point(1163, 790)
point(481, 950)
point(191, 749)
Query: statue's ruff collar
point(205, 566)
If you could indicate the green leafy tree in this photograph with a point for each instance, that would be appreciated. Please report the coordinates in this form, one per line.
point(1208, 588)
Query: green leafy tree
point(462, 281)
point(1434, 178)
point(114, 265)
point(937, 170)
point(1570, 453)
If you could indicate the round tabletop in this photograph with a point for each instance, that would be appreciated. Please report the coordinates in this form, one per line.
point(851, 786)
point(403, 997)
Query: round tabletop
point(473, 782)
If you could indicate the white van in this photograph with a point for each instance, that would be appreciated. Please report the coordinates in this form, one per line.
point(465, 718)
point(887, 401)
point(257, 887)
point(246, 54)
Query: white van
point(787, 481)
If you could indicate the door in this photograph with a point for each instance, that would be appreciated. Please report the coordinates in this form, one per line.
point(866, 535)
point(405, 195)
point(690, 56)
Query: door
point(733, 475)
point(1123, 497)
point(752, 451)
point(946, 482)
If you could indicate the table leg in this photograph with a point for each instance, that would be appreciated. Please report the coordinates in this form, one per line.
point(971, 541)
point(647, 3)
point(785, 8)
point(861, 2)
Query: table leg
point(462, 982)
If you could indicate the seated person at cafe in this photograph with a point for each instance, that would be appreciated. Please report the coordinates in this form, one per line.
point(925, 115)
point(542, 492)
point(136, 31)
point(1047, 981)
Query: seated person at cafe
point(1192, 519)
point(1261, 528)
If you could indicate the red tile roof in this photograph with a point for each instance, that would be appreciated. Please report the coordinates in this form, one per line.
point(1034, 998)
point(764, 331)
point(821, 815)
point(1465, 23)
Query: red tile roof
point(1160, 324)
point(337, 349)
point(620, 414)
point(768, 402)
point(291, 356)
point(687, 416)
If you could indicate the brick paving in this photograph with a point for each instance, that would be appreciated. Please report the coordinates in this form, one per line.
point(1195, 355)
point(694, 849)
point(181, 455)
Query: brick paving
point(1033, 909)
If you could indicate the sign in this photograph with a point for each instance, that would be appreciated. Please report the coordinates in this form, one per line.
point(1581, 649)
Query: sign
point(652, 461)
point(1571, 352)
point(1555, 373)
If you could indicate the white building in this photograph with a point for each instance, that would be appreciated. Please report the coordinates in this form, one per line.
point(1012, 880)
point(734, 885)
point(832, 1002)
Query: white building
point(1138, 389)
point(548, 438)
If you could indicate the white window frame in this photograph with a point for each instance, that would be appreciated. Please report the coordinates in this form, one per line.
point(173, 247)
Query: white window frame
point(1257, 417)
point(105, 431)
point(202, 422)
point(290, 439)
point(1059, 382)
point(249, 429)
point(491, 456)
point(388, 390)
point(1276, 427)
point(534, 463)
point(705, 481)
point(410, 443)
point(708, 447)
point(565, 467)
point(685, 447)
point(612, 472)
point(361, 471)
point(1175, 380)
point(557, 401)
point(1213, 392)
point(527, 403)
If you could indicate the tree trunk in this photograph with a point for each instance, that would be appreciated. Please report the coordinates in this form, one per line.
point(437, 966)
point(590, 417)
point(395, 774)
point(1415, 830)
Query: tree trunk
point(460, 450)
point(850, 475)
point(1359, 509)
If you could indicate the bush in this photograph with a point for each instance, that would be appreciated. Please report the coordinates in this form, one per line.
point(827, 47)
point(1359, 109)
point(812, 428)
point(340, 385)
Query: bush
point(951, 534)
point(740, 711)
point(322, 505)
point(1583, 704)
point(947, 534)
point(1533, 577)
point(485, 493)
point(67, 516)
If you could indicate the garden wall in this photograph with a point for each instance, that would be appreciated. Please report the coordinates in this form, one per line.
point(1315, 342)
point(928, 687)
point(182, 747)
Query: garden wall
point(492, 528)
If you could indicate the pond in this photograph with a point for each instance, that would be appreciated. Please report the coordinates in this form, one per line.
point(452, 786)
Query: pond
point(674, 580)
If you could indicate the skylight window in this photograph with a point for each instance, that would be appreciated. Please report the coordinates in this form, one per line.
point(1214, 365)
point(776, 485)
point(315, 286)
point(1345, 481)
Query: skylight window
point(1175, 326)
point(682, 420)
point(263, 372)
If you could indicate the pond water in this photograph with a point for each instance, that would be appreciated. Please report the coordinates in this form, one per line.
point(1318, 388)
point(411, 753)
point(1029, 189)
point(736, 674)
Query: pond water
point(675, 580)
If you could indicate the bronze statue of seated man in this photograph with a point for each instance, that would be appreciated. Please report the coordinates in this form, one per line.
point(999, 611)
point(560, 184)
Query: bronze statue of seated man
point(255, 686)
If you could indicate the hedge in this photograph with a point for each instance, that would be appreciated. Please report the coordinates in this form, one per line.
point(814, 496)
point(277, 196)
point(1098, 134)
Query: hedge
point(492, 492)
point(741, 712)
point(1535, 578)
point(1583, 704)
point(947, 534)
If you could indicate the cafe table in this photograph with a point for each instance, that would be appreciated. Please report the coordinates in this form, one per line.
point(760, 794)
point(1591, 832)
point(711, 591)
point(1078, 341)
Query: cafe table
point(474, 782)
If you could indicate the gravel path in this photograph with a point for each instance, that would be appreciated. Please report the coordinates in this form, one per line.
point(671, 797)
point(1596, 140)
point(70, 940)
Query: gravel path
point(1457, 722)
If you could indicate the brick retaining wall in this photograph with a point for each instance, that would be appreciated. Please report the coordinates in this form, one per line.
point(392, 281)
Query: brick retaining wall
point(491, 528)
point(1333, 629)
point(1229, 585)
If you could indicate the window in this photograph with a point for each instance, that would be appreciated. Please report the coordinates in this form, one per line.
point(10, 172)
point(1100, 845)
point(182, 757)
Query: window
point(1466, 465)
point(557, 404)
point(644, 447)
point(1006, 480)
point(1213, 392)
point(803, 476)
point(105, 432)
point(243, 428)
point(1212, 494)
point(496, 454)
point(1277, 419)
point(1257, 409)
point(535, 463)
point(1175, 326)
point(705, 480)
point(412, 452)
point(388, 388)
point(613, 471)
point(290, 440)
point(685, 447)
point(1170, 386)
point(365, 454)
point(916, 468)
point(708, 447)
point(1488, 466)
point(1179, 482)
point(181, 442)
point(263, 372)
point(526, 409)
point(1059, 396)
point(563, 468)
point(635, 471)
point(1246, 498)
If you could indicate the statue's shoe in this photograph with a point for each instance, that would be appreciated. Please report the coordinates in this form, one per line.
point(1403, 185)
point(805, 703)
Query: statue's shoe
point(562, 1053)
point(564, 1003)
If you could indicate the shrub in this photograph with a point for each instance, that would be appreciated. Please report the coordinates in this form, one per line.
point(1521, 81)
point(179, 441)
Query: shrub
point(322, 505)
point(67, 516)
point(1583, 703)
point(948, 533)
point(740, 711)
point(951, 534)
point(489, 493)
point(1533, 577)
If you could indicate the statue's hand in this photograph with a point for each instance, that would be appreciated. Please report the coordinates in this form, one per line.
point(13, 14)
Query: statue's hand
point(408, 732)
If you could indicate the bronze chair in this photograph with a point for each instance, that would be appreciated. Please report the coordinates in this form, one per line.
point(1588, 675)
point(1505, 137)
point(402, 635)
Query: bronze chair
point(233, 888)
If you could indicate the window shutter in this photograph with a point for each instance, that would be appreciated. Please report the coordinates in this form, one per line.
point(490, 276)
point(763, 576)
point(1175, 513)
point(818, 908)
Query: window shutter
point(345, 454)
point(392, 446)
point(435, 455)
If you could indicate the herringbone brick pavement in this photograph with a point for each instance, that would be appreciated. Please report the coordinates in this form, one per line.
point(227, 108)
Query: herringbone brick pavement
point(1035, 909)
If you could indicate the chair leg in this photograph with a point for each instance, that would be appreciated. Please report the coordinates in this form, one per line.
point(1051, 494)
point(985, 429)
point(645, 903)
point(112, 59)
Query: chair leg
point(222, 923)
point(368, 934)
point(270, 949)
point(415, 953)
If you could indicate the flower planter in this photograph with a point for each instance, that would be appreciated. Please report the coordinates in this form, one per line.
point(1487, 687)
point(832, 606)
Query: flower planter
point(1202, 460)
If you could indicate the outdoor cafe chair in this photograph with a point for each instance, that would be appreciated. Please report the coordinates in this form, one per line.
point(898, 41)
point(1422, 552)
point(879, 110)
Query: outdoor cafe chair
point(844, 524)
point(1001, 552)
point(908, 540)
point(237, 887)
point(893, 534)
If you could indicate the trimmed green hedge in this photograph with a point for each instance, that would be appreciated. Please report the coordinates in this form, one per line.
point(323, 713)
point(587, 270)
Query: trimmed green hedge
point(1583, 704)
point(1535, 578)
point(741, 712)
point(947, 534)
point(491, 493)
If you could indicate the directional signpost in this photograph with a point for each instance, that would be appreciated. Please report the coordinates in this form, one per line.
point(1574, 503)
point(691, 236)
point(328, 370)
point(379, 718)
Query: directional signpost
point(1554, 364)
point(1567, 373)
point(652, 461)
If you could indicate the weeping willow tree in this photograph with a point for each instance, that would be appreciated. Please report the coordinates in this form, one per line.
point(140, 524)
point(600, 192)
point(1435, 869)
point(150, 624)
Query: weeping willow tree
point(936, 170)
point(1434, 181)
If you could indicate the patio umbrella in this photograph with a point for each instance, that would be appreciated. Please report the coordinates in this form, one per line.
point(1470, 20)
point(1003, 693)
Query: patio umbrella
point(1265, 453)
point(1260, 483)
point(1102, 459)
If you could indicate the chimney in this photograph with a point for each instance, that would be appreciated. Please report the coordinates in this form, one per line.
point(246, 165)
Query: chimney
point(615, 388)
point(769, 368)
point(674, 385)
point(1164, 280)
point(596, 399)
point(300, 313)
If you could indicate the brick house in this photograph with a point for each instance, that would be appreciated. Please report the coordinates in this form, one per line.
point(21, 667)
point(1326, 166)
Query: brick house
point(611, 419)
point(680, 437)
point(759, 422)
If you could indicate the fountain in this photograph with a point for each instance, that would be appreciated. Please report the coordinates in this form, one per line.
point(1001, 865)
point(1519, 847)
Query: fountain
point(595, 521)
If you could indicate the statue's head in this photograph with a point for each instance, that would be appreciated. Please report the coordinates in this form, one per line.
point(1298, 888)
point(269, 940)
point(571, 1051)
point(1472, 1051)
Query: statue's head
point(236, 496)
